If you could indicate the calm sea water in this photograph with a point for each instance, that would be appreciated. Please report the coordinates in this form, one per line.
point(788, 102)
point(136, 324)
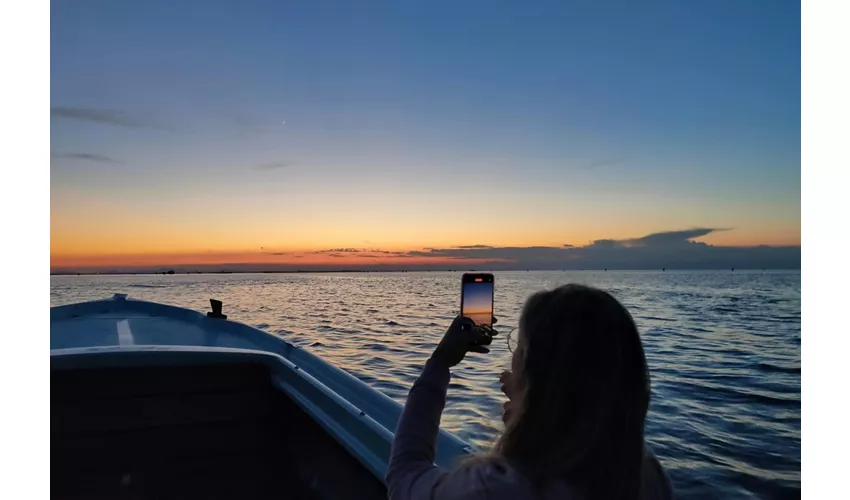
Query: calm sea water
point(723, 350)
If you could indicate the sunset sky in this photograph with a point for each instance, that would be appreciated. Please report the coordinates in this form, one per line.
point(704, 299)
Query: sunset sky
point(414, 133)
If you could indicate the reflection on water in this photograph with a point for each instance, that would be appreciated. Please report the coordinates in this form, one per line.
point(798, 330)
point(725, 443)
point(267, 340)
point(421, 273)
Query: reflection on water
point(723, 350)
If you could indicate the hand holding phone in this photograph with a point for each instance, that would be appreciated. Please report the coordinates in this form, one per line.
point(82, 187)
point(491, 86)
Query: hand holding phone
point(463, 336)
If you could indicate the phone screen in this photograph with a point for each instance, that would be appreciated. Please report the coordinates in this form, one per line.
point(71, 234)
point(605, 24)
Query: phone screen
point(476, 299)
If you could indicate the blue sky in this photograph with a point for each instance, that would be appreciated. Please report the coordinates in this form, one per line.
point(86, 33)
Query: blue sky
point(588, 119)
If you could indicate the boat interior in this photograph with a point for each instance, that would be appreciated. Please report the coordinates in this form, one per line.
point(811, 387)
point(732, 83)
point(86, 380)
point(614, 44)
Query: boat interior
point(201, 431)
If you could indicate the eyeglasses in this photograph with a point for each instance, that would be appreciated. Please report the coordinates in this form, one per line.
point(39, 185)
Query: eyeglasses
point(513, 339)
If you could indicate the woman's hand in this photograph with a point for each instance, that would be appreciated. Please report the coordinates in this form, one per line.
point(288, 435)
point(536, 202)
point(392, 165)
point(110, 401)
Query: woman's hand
point(462, 336)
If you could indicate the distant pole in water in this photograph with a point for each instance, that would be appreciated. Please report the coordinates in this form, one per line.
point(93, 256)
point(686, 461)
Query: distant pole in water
point(606, 269)
point(664, 269)
point(733, 269)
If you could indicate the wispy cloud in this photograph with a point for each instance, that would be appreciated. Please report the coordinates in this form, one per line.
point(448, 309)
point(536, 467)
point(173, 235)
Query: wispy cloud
point(341, 250)
point(605, 162)
point(93, 157)
point(365, 252)
point(105, 117)
point(272, 165)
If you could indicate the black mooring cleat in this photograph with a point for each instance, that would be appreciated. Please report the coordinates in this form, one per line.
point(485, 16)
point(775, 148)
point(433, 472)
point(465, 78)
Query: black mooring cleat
point(216, 309)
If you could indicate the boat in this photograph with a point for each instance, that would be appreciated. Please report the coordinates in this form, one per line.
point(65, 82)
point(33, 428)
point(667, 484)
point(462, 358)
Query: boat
point(156, 401)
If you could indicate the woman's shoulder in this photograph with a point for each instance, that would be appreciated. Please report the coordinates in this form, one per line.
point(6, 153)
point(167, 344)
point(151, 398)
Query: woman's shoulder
point(494, 479)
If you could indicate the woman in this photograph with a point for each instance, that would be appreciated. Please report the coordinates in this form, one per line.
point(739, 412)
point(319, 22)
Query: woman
point(578, 396)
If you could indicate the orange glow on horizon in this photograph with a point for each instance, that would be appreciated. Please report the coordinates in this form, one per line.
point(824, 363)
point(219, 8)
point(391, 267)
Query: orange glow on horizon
point(207, 259)
point(302, 257)
point(97, 250)
point(87, 233)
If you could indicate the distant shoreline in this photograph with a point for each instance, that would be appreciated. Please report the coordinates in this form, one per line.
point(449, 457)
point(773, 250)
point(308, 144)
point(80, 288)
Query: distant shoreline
point(369, 271)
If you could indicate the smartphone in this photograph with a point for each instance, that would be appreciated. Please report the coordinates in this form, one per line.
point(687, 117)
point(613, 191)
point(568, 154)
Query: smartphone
point(476, 298)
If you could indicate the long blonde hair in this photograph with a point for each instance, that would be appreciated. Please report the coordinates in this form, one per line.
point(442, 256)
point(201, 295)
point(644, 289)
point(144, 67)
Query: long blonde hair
point(580, 394)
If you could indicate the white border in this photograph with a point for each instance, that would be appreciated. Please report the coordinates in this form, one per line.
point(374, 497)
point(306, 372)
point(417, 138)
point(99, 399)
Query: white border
point(25, 247)
point(24, 205)
point(825, 136)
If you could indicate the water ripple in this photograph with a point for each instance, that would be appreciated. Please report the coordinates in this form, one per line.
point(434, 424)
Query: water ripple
point(723, 350)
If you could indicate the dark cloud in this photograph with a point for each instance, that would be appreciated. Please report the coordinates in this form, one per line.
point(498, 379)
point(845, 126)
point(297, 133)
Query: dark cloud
point(372, 253)
point(604, 244)
point(358, 250)
point(272, 165)
point(474, 246)
point(341, 250)
point(104, 116)
point(508, 254)
point(670, 249)
point(93, 157)
point(669, 238)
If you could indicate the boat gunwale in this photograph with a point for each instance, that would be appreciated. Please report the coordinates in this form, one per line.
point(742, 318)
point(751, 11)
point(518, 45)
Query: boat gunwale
point(296, 371)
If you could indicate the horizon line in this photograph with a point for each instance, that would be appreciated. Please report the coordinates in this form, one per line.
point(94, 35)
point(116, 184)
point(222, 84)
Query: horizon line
point(171, 272)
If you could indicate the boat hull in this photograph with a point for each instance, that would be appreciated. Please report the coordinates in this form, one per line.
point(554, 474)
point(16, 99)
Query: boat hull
point(116, 335)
